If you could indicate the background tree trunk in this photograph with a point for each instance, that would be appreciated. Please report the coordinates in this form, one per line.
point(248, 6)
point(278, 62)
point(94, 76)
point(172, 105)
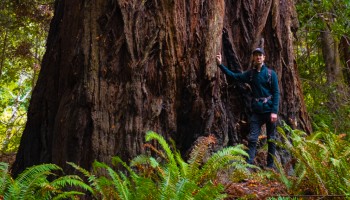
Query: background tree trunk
point(330, 52)
point(345, 55)
point(334, 67)
point(115, 69)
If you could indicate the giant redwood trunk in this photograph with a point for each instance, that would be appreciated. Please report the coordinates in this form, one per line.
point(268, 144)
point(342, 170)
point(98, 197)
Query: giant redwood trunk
point(114, 69)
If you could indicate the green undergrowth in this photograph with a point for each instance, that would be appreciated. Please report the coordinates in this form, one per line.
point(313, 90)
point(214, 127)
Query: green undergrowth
point(319, 166)
point(166, 175)
point(321, 163)
point(162, 176)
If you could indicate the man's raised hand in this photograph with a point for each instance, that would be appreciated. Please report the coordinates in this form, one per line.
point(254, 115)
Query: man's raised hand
point(273, 117)
point(218, 59)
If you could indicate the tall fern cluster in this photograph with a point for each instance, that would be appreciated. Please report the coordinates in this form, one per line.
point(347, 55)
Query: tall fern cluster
point(167, 175)
point(322, 162)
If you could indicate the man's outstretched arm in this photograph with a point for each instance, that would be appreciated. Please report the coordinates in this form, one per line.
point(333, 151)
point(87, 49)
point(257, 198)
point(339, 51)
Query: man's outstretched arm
point(243, 77)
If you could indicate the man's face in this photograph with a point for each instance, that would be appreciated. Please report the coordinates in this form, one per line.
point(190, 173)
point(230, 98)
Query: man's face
point(258, 58)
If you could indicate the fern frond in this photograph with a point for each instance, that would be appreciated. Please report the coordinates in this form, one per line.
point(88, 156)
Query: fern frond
point(140, 160)
point(32, 172)
point(226, 157)
point(322, 160)
point(116, 160)
point(183, 166)
point(92, 179)
point(6, 178)
point(154, 163)
point(200, 149)
point(68, 194)
point(150, 135)
point(33, 183)
point(48, 191)
point(184, 189)
point(315, 136)
point(168, 183)
point(120, 184)
point(71, 180)
point(4, 167)
point(39, 188)
point(144, 188)
point(136, 182)
point(283, 176)
point(155, 150)
point(30, 179)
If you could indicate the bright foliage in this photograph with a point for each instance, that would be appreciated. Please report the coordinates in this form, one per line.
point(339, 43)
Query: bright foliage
point(22, 44)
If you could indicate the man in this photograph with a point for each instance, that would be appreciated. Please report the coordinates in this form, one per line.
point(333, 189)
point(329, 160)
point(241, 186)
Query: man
point(264, 85)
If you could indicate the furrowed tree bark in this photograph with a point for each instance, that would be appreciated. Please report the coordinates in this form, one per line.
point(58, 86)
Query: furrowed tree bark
point(115, 69)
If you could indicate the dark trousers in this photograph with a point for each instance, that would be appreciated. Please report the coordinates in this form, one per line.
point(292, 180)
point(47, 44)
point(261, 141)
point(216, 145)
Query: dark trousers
point(256, 121)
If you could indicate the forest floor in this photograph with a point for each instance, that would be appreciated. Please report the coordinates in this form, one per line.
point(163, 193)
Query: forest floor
point(254, 189)
point(260, 185)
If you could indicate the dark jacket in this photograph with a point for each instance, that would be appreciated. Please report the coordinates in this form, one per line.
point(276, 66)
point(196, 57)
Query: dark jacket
point(263, 86)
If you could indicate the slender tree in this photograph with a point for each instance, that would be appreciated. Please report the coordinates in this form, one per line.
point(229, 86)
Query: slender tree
point(115, 69)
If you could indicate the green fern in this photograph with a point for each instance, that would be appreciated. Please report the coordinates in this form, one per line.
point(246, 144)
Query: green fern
point(33, 183)
point(6, 179)
point(197, 175)
point(231, 157)
point(140, 185)
point(92, 179)
point(182, 186)
point(322, 161)
point(117, 185)
point(166, 176)
point(150, 135)
point(197, 155)
point(119, 181)
point(66, 195)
